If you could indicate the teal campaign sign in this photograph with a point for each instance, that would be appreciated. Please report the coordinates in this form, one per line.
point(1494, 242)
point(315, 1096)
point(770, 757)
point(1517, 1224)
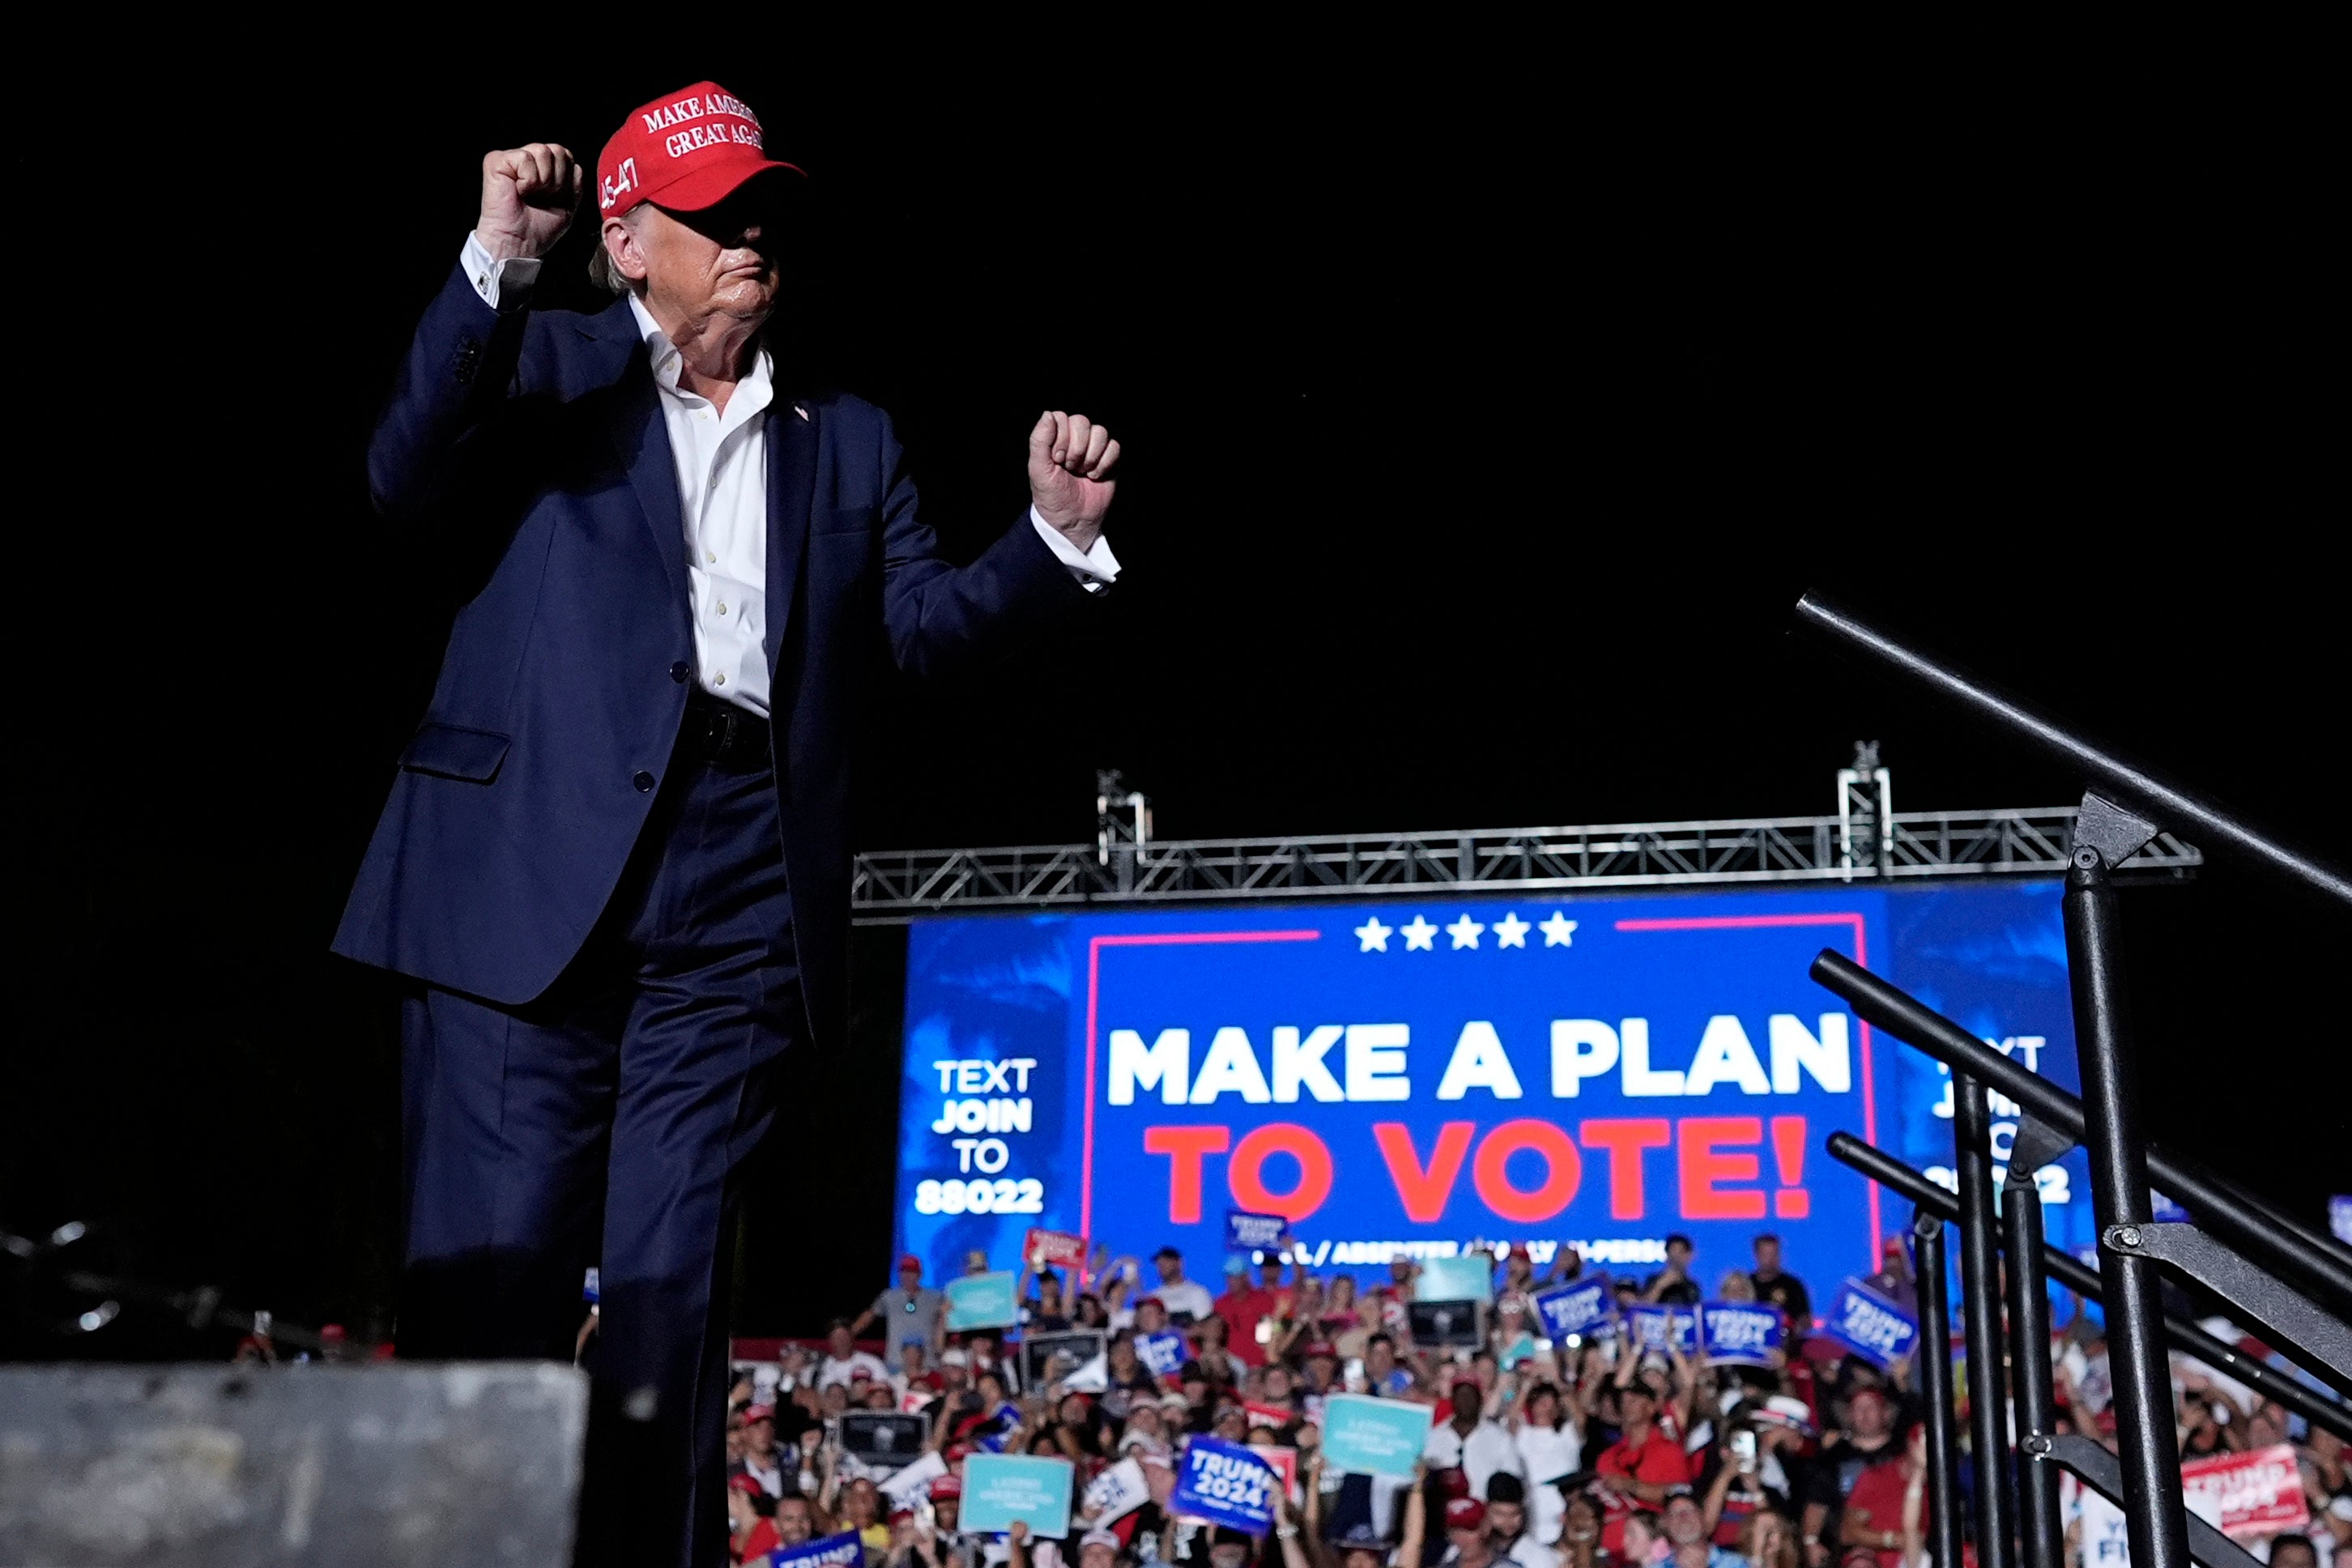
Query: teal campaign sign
point(1469, 1278)
point(1375, 1436)
point(982, 1301)
point(1000, 1488)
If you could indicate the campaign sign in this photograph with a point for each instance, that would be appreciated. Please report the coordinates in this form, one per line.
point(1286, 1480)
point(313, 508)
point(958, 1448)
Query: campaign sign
point(1117, 1492)
point(1374, 1437)
point(903, 1487)
point(1047, 1359)
point(883, 1439)
point(843, 1550)
point(1246, 1232)
point(1285, 1464)
point(1584, 1308)
point(1653, 1327)
point(1163, 1354)
point(1049, 1248)
point(1000, 1488)
point(2247, 1496)
point(982, 1301)
point(1869, 1324)
point(1226, 1484)
point(1451, 1324)
point(1739, 1334)
point(1274, 1416)
point(1467, 1277)
point(1396, 1073)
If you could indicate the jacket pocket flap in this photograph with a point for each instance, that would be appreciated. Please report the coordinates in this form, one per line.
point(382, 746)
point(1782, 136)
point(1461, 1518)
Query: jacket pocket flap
point(454, 753)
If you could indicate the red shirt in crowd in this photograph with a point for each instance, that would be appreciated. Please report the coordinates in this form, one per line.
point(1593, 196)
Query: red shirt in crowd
point(1659, 1460)
point(1876, 1503)
point(1243, 1310)
point(762, 1540)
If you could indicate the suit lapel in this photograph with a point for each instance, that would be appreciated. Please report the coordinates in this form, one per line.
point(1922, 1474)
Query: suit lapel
point(635, 429)
point(791, 488)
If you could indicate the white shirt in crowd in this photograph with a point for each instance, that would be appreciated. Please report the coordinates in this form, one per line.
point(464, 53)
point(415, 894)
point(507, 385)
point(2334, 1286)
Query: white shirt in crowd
point(1183, 1296)
point(1529, 1552)
point(843, 1369)
point(1546, 1455)
point(722, 459)
point(1488, 1449)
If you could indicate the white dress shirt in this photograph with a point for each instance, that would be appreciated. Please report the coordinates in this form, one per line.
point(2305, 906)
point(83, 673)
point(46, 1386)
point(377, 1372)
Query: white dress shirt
point(721, 457)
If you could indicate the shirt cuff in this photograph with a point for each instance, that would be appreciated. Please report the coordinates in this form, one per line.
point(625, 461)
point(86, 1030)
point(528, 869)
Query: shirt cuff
point(489, 273)
point(1095, 569)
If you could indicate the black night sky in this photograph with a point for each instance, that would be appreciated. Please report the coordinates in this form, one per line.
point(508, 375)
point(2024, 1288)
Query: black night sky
point(1482, 432)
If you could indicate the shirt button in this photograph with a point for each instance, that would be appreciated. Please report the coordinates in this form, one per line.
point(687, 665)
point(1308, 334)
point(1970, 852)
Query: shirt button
point(644, 780)
point(720, 678)
point(679, 671)
point(722, 609)
point(711, 556)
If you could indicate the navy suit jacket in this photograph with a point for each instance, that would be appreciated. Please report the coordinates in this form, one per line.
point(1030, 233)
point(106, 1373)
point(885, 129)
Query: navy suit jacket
point(536, 439)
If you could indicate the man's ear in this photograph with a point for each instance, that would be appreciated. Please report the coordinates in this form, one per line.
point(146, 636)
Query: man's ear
point(623, 247)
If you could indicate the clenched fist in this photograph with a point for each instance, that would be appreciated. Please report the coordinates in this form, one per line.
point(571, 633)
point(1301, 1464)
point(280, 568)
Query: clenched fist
point(1070, 460)
point(528, 194)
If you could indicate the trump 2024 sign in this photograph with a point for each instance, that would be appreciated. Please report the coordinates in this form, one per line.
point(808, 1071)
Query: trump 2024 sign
point(1410, 1076)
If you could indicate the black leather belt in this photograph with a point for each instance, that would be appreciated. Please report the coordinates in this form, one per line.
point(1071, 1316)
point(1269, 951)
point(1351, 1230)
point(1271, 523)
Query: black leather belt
point(722, 733)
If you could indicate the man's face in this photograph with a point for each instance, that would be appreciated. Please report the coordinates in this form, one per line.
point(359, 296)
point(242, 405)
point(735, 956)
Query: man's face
point(2294, 1555)
point(1269, 1273)
point(793, 1521)
point(1465, 1401)
point(1150, 1317)
point(759, 1438)
point(839, 1341)
point(1867, 1414)
point(1504, 1520)
point(1097, 1555)
point(1171, 1269)
point(1380, 1357)
point(1767, 1256)
point(1634, 1404)
point(1679, 1253)
point(1685, 1523)
point(721, 262)
point(1469, 1547)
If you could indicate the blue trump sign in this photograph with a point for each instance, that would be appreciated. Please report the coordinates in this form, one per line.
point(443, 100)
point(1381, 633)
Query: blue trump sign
point(1586, 1308)
point(1227, 1484)
point(1163, 1354)
point(1254, 1232)
point(1739, 1334)
point(1657, 1328)
point(843, 1550)
point(1872, 1326)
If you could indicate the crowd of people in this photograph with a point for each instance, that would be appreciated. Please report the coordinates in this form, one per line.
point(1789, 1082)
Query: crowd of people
point(1589, 1453)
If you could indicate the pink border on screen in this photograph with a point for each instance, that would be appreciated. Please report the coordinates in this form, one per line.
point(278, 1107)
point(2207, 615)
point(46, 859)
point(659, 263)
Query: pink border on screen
point(1861, 957)
point(1093, 987)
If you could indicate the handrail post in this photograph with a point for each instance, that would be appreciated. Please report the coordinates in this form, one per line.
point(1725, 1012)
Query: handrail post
point(1935, 1366)
point(2154, 1515)
point(2039, 1525)
point(1981, 1311)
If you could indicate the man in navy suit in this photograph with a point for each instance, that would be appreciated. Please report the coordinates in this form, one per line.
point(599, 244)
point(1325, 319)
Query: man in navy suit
point(615, 863)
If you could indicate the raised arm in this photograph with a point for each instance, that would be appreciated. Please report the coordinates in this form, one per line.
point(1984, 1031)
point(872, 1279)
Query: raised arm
point(460, 372)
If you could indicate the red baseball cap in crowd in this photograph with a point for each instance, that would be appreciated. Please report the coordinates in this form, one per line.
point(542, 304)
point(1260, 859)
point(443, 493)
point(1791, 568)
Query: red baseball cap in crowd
point(1466, 1513)
point(943, 1487)
point(759, 1413)
point(688, 150)
point(911, 1260)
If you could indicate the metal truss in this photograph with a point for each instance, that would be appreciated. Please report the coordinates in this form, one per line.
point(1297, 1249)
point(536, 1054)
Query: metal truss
point(889, 886)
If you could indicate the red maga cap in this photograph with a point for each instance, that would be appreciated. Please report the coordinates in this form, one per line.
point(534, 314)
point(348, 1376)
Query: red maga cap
point(690, 149)
point(1464, 1513)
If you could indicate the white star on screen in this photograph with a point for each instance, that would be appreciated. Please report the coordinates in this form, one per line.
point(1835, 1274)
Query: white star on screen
point(1419, 935)
point(1374, 935)
point(1558, 931)
point(1465, 932)
point(1511, 930)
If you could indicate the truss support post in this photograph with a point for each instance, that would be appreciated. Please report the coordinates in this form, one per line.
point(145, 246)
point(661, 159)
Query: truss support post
point(1934, 1366)
point(2040, 1527)
point(1980, 1310)
point(2153, 1511)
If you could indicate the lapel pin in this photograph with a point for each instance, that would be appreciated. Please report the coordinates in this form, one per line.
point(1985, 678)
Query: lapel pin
point(799, 410)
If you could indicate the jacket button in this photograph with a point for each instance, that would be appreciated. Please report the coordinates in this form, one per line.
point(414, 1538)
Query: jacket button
point(644, 780)
point(679, 671)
